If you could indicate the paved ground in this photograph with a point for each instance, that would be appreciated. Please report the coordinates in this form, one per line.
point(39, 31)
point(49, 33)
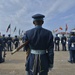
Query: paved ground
point(14, 64)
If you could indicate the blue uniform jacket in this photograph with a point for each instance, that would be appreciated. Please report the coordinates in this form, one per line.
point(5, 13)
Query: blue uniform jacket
point(57, 40)
point(16, 41)
point(41, 39)
point(71, 43)
point(9, 40)
point(4, 41)
point(63, 40)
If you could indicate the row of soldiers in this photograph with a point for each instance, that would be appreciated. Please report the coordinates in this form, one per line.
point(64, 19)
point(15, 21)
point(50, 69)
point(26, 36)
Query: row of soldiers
point(6, 45)
point(9, 40)
point(57, 42)
point(71, 45)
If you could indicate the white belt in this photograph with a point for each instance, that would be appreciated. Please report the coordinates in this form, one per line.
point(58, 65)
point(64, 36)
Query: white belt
point(38, 51)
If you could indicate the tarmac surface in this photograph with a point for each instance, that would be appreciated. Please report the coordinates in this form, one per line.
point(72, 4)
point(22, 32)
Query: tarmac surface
point(15, 64)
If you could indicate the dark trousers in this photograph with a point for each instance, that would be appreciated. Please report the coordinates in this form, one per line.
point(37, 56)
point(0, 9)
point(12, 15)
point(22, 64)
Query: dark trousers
point(56, 47)
point(73, 55)
point(1, 56)
point(9, 48)
point(70, 52)
point(16, 45)
point(63, 47)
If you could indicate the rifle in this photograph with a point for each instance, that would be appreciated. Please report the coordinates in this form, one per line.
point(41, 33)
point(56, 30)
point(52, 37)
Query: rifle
point(17, 49)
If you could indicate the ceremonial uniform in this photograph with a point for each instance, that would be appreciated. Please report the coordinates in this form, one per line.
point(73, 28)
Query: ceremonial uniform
point(9, 43)
point(16, 42)
point(1, 48)
point(57, 41)
point(71, 46)
point(4, 46)
point(63, 42)
point(4, 41)
point(41, 45)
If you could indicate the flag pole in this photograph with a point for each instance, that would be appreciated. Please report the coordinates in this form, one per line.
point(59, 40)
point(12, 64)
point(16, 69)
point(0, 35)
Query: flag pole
point(66, 28)
point(10, 29)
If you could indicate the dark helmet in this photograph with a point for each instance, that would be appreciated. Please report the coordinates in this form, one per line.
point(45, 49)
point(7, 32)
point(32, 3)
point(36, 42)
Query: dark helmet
point(9, 35)
point(63, 34)
point(15, 35)
point(56, 34)
point(3, 35)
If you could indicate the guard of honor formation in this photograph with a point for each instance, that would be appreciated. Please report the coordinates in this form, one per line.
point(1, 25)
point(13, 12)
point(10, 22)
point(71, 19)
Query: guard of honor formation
point(40, 48)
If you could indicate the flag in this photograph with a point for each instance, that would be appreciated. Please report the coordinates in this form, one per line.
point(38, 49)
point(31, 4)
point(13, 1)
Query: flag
point(66, 27)
point(60, 28)
point(8, 27)
point(14, 29)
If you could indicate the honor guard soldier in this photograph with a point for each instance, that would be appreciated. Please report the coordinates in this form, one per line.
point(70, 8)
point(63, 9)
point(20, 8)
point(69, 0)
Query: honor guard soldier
point(63, 42)
point(1, 49)
point(57, 41)
point(71, 46)
point(16, 41)
point(9, 42)
point(4, 46)
point(41, 57)
point(4, 41)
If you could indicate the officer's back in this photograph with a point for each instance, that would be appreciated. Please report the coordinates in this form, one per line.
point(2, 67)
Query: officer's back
point(63, 39)
point(16, 39)
point(9, 42)
point(9, 39)
point(71, 46)
point(40, 37)
point(4, 40)
point(40, 41)
point(72, 42)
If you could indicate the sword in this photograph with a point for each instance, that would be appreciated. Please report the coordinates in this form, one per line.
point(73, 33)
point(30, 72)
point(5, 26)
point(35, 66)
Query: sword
point(17, 49)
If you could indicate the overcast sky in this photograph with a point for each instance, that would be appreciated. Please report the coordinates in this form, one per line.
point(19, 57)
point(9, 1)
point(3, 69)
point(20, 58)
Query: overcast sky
point(19, 13)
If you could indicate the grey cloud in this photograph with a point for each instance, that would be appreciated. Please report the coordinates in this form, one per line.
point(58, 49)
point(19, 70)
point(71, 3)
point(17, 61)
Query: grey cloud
point(19, 12)
point(67, 17)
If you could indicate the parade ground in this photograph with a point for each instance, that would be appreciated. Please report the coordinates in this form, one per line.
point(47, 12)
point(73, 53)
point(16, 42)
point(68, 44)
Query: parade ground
point(15, 64)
